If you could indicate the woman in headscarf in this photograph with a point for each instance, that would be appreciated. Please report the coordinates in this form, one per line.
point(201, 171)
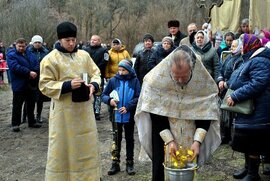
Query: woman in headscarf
point(209, 57)
point(264, 36)
point(231, 63)
point(252, 81)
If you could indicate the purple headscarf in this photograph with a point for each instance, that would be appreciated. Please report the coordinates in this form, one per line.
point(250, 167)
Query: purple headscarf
point(251, 42)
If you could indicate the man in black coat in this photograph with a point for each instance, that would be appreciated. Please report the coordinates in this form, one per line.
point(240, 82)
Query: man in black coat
point(175, 33)
point(100, 56)
point(143, 57)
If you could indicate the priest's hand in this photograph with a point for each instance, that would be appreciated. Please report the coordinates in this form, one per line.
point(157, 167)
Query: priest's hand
point(195, 147)
point(173, 148)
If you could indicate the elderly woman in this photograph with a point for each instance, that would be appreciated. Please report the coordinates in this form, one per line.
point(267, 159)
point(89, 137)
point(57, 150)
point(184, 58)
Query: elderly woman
point(209, 57)
point(161, 52)
point(252, 81)
point(231, 63)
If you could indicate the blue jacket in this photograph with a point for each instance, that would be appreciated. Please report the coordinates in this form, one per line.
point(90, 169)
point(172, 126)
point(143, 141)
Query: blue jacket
point(252, 81)
point(39, 53)
point(20, 66)
point(128, 89)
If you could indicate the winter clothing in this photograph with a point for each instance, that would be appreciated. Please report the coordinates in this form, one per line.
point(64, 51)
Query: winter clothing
point(128, 89)
point(158, 55)
point(231, 63)
point(250, 42)
point(100, 56)
point(173, 23)
point(178, 37)
point(115, 58)
point(127, 64)
point(37, 38)
point(168, 39)
point(66, 29)
point(117, 41)
point(20, 66)
point(141, 62)
point(251, 81)
point(40, 98)
point(23, 86)
point(148, 37)
point(209, 56)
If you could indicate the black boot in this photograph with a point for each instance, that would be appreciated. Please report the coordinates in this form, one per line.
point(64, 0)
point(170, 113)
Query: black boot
point(115, 168)
point(253, 170)
point(130, 167)
point(243, 172)
point(97, 116)
point(38, 118)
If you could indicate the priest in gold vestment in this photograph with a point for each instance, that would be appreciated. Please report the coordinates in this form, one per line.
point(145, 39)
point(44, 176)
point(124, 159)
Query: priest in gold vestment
point(73, 140)
point(178, 106)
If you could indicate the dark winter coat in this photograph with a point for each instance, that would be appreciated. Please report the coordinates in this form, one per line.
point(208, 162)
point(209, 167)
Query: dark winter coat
point(158, 55)
point(141, 62)
point(252, 81)
point(128, 89)
point(209, 58)
point(100, 56)
point(20, 66)
point(231, 63)
point(179, 36)
point(40, 53)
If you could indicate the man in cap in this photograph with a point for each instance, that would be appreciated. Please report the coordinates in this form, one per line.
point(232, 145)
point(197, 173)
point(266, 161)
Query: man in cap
point(175, 33)
point(117, 53)
point(73, 142)
point(143, 57)
point(39, 51)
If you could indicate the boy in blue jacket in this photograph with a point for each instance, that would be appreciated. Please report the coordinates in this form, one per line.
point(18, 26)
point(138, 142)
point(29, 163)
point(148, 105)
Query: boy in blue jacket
point(127, 86)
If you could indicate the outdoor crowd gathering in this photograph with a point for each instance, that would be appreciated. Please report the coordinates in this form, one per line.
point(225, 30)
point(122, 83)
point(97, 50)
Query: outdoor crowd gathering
point(185, 96)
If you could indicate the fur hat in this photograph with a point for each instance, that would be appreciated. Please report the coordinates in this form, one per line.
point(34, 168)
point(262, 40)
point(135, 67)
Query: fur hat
point(66, 29)
point(37, 38)
point(168, 39)
point(173, 23)
point(127, 64)
point(116, 41)
point(148, 37)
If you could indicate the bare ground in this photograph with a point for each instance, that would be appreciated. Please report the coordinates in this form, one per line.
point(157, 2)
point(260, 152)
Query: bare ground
point(23, 154)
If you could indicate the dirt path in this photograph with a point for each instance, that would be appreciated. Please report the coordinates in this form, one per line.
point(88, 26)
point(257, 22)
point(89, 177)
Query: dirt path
point(23, 154)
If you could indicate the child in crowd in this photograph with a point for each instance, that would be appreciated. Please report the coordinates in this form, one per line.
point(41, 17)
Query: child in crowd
point(127, 86)
point(3, 66)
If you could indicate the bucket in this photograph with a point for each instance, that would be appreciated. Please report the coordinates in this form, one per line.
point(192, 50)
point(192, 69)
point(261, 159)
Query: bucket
point(185, 174)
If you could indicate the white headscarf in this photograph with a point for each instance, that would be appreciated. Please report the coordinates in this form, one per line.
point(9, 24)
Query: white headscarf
point(206, 38)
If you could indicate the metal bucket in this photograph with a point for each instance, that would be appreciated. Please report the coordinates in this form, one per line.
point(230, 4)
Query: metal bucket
point(185, 174)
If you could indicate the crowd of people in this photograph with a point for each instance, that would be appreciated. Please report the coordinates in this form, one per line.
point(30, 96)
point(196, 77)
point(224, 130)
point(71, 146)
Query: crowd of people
point(174, 89)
